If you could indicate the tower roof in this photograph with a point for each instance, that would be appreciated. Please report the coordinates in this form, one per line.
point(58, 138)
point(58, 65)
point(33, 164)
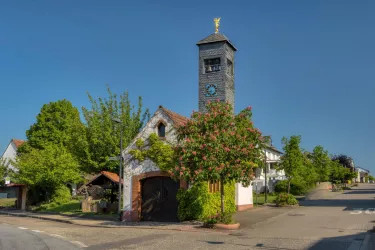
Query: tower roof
point(216, 37)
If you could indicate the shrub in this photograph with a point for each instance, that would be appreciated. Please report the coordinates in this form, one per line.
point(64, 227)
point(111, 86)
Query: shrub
point(61, 195)
point(225, 218)
point(284, 199)
point(296, 188)
point(197, 203)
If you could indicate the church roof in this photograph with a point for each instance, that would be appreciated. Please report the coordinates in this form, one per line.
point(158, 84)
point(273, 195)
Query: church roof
point(216, 37)
point(176, 118)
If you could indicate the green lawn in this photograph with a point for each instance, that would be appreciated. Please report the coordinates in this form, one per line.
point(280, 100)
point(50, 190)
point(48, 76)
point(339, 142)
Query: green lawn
point(261, 198)
point(7, 202)
point(73, 208)
point(68, 208)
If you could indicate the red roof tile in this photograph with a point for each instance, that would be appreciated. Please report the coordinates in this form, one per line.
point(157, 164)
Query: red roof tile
point(176, 118)
point(14, 185)
point(18, 142)
point(111, 176)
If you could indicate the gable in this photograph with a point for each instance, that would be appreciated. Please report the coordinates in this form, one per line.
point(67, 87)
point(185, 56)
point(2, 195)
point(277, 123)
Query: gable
point(162, 115)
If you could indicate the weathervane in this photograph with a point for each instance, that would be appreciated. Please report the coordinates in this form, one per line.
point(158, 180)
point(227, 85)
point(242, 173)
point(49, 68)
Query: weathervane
point(217, 24)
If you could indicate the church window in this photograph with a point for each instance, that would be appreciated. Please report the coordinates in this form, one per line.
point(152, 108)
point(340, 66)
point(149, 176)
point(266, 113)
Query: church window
point(161, 130)
point(212, 65)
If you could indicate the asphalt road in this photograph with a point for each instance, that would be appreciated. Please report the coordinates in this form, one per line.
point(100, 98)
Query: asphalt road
point(328, 221)
point(19, 238)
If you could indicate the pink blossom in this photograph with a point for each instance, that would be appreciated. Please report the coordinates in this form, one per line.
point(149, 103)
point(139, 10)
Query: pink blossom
point(210, 168)
point(180, 158)
point(249, 108)
point(194, 153)
point(204, 158)
point(181, 173)
point(227, 149)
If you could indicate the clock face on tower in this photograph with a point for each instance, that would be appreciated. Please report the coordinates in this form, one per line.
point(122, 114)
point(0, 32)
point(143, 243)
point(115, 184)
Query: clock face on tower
point(211, 90)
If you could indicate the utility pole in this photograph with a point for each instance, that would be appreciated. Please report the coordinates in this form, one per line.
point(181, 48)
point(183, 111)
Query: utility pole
point(118, 121)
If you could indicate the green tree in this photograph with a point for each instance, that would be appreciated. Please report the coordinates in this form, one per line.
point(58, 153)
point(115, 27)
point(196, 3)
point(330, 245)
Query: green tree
point(321, 162)
point(103, 134)
point(47, 169)
point(293, 159)
point(58, 123)
point(218, 146)
point(371, 178)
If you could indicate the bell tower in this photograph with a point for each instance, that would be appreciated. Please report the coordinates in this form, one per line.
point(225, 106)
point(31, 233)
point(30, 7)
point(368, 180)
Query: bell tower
point(216, 68)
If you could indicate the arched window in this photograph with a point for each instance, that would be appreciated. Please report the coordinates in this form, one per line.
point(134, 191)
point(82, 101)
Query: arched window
point(161, 130)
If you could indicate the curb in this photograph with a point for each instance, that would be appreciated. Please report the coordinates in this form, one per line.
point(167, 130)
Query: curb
point(107, 226)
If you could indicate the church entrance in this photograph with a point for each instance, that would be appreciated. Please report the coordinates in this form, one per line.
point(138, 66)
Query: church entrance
point(159, 202)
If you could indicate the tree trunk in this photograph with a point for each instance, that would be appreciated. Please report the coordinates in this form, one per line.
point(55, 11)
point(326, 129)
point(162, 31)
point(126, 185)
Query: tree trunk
point(222, 194)
point(289, 186)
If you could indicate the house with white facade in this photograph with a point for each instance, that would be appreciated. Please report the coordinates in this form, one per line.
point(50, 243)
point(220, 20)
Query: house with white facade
point(273, 173)
point(11, 189)
point(361, 174)
point(10, 154)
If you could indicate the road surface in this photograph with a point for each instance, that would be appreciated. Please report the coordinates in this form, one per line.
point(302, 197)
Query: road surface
point(329, 221)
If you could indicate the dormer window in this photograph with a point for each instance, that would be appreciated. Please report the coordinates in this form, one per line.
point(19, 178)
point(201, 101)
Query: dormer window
point(212, 65)
point(161, 130)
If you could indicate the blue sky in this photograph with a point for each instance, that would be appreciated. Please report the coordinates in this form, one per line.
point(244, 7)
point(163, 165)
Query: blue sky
point(306, 67)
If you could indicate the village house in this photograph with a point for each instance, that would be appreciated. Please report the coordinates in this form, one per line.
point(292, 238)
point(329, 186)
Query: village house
point(11, 189)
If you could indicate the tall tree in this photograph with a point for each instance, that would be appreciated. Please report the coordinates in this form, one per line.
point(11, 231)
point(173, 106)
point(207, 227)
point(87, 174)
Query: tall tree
point(47, 169)
point(345, 161)
point(321, 162)
point(293, 159)
point(218, 146)
point(103, 134)
point(58, 123)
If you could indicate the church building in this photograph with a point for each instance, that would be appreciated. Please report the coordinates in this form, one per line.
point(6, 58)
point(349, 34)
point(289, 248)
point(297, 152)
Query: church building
point(150, 194)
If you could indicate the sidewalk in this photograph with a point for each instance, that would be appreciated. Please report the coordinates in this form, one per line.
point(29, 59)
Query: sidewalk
point(250, 218)
point(176, 226)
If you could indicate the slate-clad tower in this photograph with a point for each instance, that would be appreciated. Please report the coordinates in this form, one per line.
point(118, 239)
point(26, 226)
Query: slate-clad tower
point(216, 69)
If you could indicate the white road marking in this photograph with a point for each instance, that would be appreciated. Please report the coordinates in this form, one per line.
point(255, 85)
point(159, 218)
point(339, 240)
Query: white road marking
point(357, 211)
point(23, 228)
point(37, 231)
point(370, 211)
point(57, 236)
point(78, 243)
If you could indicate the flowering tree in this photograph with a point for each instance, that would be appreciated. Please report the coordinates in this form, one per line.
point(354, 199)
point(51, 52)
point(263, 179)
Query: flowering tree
point(218, 146)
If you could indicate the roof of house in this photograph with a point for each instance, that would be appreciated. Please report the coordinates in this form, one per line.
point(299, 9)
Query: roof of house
point(216, 37)
point(14, 185)
point(176, 118)
point(111, 176)
point(18, 142)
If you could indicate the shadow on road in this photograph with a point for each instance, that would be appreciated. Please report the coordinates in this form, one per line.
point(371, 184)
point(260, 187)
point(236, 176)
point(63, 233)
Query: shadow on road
point(353, 241)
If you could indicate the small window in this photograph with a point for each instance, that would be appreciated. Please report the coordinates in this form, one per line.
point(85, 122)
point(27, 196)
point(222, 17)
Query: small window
point(212, 65)
point(229, 67)
point(214, 187)
point(161, 130)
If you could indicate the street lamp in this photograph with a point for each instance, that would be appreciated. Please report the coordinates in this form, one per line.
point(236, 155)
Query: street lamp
point(118, 121)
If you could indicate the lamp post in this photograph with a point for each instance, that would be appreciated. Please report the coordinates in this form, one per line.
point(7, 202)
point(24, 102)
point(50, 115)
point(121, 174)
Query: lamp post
point(265, 176)
point(118, 121)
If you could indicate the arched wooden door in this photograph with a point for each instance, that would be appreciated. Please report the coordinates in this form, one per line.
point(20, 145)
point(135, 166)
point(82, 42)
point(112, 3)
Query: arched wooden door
point(159, 202)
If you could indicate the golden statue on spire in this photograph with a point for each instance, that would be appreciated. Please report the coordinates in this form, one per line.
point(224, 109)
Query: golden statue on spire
point(217, 24)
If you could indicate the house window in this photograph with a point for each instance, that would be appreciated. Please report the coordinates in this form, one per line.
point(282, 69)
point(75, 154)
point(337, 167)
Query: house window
point(229, 67)
point(212, 65)
point(213, 186)
point(161, 130)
